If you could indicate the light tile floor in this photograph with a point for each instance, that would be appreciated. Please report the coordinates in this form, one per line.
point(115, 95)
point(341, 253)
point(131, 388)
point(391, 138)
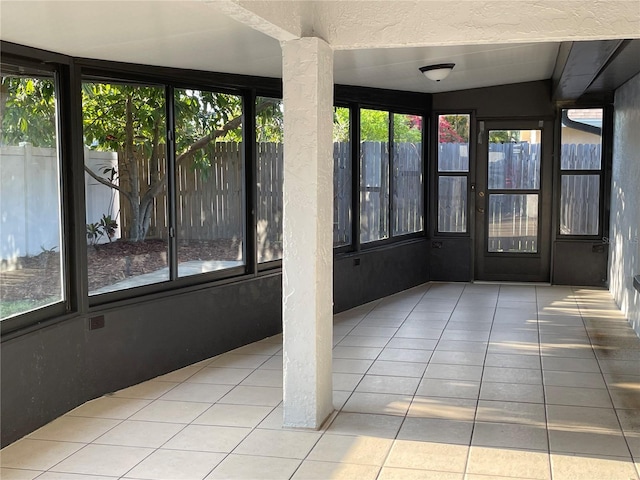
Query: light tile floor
point(443, 381)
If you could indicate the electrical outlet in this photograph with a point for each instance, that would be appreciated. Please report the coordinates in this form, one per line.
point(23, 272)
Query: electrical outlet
point(96, 322)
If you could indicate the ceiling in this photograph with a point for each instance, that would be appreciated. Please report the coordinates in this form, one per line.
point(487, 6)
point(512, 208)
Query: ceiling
point(199, 34)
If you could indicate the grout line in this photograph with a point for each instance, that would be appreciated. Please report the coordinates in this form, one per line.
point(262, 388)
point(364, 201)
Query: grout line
point(606, 384)
point(544, 389)
point(475, 413)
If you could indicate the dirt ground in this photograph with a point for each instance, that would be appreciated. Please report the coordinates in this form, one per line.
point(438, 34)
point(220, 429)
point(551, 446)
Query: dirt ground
point(38, 277)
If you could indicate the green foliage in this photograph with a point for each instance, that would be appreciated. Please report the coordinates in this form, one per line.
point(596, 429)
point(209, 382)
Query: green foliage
point(407, 128)
point(104, 107)
point(9, 307)
point(27, 111)
point(374, 126)
point(269, 122)
point(454, 128)
point(46, 250)
point(504, 136)
point(93, 233)
point(106, 227)
point(341, 122)
point(200, 114)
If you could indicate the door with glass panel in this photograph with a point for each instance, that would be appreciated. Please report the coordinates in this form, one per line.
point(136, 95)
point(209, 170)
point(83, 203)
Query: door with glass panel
point(513, 201)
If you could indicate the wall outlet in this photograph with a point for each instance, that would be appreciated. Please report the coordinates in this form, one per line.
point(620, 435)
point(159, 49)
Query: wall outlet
point(96, 322)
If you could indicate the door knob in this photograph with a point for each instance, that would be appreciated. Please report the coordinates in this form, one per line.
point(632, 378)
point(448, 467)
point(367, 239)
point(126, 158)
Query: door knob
point(480, 210)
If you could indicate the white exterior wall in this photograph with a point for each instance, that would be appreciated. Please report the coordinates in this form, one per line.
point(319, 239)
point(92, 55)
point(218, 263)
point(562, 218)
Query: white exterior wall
point(308, 232)
point(624, 258)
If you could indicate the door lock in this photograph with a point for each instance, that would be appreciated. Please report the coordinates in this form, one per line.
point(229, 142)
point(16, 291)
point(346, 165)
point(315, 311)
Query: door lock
point(481, 194)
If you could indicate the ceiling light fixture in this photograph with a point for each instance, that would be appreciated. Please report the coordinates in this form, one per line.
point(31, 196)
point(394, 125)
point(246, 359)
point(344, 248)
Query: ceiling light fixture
point(437, 72)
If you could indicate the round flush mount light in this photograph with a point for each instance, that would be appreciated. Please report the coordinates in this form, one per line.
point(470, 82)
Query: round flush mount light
point(437, 72)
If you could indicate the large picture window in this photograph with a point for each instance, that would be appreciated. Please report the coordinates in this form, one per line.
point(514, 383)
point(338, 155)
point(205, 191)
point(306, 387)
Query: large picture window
point(209, 181)
point(374, 175)
point(133, 181)
point(391, 175)
point(580, 171)
point(126, 185)
point(31, 266)
point(407, 207)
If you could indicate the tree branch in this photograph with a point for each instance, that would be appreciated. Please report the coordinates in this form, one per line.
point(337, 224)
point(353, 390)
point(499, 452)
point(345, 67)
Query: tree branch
point(105, 182)
point(230, 125)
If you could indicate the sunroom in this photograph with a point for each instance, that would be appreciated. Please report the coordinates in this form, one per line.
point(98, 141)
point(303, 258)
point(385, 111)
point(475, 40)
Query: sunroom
point(182, 179)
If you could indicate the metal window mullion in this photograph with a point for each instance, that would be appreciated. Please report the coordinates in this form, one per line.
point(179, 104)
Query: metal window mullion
point(356, 182)
point(74, 240)
point(250, 186)
point(390, 182)
point(172, 193)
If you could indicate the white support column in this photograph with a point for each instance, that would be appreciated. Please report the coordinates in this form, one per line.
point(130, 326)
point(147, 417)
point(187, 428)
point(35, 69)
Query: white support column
point(308, 231)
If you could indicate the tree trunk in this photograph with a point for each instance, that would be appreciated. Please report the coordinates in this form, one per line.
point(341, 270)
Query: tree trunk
point(130, 181)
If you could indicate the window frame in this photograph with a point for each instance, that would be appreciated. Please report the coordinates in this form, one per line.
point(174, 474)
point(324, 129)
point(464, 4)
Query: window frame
point(604, 174)
point(59, 68)
point(469, 174)
point(251, 165)
point(106, 75)
point(391, 239)
point(354, 202)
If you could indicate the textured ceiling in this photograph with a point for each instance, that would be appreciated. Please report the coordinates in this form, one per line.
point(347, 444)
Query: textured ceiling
point(238, 36)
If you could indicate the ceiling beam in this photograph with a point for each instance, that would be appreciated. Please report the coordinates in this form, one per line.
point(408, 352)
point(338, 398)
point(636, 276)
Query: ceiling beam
point(578, 65)
point(282, 21)
point(623, 65)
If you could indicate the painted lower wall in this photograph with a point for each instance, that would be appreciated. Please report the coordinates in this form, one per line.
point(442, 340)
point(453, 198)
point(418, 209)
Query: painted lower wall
point(371, 274)
point(50, 371)
point(624, 259)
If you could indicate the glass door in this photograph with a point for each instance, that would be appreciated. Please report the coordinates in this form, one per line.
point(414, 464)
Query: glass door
point(512, 208)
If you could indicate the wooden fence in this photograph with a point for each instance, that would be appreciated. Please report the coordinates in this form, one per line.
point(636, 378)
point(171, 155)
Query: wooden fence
point(210, 200)
point(580, 191)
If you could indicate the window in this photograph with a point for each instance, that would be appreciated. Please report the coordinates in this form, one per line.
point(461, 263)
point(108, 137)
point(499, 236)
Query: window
point(133, 237)
point(126, 185)
point(580, 171)
point(209, 181)
point(453, 172)
point(31, 263)
point(391, 180)
point(374, 175)
point(342, 177)
point(407, 174)
point(269, 178)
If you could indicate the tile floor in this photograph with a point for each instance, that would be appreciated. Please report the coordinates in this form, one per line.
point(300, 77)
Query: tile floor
point(443, 381)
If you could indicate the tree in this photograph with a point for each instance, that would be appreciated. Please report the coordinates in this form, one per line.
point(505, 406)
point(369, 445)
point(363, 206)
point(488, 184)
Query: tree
point(453, 129)
point(504, 136)
point(374, 127)
point(446, 133)
point(130, 120)
point(27, 111)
